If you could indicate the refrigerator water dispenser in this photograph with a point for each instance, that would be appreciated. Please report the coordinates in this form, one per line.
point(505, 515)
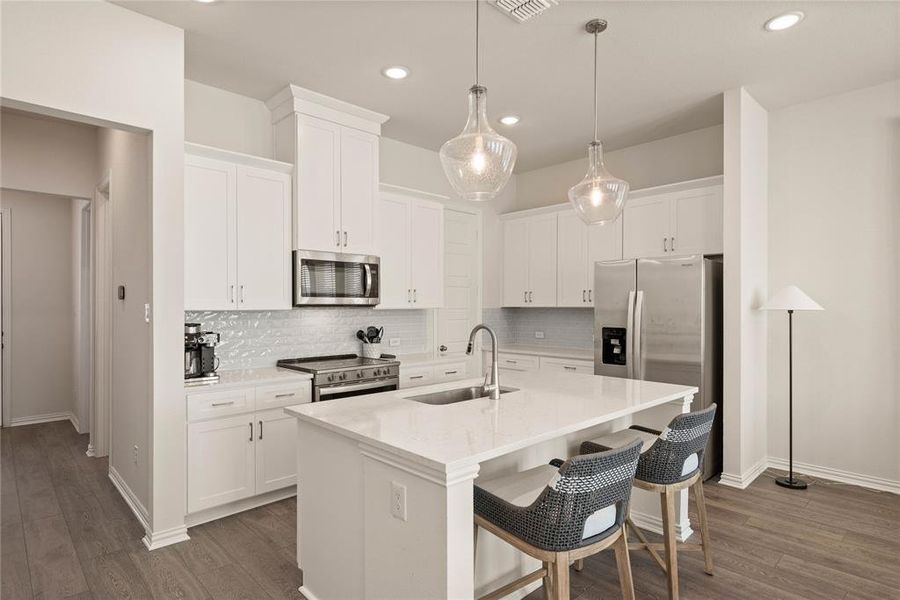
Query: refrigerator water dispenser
point(614, 345)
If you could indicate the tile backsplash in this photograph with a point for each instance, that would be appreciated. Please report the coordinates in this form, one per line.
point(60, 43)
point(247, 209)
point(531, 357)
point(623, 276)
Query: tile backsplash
point(566, 327)
point(253, 339)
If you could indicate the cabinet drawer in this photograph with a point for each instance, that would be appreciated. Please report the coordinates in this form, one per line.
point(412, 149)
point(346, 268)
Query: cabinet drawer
point(515, 362)
point(450, 371)
point(565, 365)
point(415, 376)
point(284, 394)
point(210, 405)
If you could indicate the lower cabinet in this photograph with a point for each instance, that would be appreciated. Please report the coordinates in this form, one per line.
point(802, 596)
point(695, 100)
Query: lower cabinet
point(276, 450)
point(221, 462)
point(567, 365)
point(508, 361)
point(419, 375)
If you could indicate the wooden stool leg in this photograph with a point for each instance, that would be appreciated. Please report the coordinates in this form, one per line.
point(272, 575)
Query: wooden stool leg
point(669, 541)
point(560, 569)
point(548, 581)
point(623, 562)
point(579, 565)
point(704, 526)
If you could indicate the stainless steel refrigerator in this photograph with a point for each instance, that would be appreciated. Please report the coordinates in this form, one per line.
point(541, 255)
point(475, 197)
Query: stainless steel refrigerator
point(661, 320)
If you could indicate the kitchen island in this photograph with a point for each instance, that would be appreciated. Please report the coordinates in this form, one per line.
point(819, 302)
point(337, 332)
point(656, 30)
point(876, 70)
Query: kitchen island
point(384, 502)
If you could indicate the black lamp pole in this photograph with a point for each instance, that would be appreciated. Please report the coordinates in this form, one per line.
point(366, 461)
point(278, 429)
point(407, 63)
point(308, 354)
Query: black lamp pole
point(789, 481)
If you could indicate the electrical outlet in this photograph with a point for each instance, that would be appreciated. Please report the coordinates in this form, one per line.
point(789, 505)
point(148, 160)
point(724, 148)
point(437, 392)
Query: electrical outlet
point(394, 342)
point(539, 335)
point(398, 501)
point(134, 454)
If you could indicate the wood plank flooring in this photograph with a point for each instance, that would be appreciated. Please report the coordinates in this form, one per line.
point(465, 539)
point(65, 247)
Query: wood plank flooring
point(66, 533)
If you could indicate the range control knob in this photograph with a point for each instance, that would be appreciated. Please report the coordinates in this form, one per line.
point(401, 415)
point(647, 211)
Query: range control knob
point(359, 374)
point(343, 376)
point(331, 378)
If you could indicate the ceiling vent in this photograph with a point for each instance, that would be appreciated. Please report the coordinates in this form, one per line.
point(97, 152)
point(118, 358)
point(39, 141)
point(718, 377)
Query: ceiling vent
point(523, 10)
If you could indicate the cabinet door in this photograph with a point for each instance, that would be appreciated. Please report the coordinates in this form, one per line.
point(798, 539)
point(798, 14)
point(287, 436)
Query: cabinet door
point(276, 450)
point(572, 248)
point(426, 242)
point(264, 239)
point(646, 230)
point(696, 226)
point(604, 243)
point(392, 246)
point(220, 462)
point(359, 189)
point(209, 234)
point(416, 376)
point(318, 194)
point(515, 262)
point(542, 260)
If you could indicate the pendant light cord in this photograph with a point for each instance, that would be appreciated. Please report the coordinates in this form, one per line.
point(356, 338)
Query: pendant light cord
point(476, 40)
point(596, 136)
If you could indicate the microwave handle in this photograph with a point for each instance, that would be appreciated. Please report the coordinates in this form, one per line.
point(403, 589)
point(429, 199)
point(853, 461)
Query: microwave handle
point(368, 269)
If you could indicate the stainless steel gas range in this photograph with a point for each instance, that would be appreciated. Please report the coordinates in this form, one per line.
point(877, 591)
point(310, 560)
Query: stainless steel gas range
point(346, 375)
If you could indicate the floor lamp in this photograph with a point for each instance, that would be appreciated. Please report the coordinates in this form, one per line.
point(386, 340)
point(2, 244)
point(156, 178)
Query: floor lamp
point(790, 299)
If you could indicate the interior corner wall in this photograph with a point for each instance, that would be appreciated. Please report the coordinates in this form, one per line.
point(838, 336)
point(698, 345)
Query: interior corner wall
point(745, 287)
point(223, 119)
point(41, 332)
point(834, 231)
point(105, 65)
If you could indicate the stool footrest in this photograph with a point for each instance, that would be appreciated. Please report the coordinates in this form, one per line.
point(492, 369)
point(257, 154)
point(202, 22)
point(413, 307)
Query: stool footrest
point(515, 585)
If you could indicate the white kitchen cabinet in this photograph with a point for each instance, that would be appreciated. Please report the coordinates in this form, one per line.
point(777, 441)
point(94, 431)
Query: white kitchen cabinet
point(580, 246)
point(220, 461)
point(529, 261)
point(553, 364)
point(410, 243)
point(276, 450)
point(674, 223)
point(416, 376)
point(317, 218)
point(359, 189)
point(237, 231)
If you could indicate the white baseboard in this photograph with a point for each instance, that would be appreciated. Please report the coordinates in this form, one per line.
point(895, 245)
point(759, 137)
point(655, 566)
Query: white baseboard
point(742, 480)
point(866, 481)
point(306, 593)
point(218, 512)
point(654, 523)
point(75, 422)
point(44, 418)
point(154, 540)
point(130, 498)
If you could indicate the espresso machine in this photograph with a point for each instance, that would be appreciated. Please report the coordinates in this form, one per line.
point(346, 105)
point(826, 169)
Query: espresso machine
point(200, 362)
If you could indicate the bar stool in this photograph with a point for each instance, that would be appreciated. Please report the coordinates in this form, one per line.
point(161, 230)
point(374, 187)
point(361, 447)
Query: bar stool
point(561, 512)
point(671, 460)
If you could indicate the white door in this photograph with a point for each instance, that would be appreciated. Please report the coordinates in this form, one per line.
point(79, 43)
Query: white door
point(317, 218)
point(542, 260)
point(264, 239)
point(276, 450)
point(696, 226)
point(426, 242)
point(461, 276)
point(209, 234)
point(515, 262)
point(604, 243)
point(221, 464)
point(572, 248)
point(392, 246)
point(359, 189)
point(646, 230)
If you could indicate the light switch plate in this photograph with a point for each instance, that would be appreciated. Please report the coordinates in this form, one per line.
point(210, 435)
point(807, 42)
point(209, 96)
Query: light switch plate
point(539, 335)
point(398, 501)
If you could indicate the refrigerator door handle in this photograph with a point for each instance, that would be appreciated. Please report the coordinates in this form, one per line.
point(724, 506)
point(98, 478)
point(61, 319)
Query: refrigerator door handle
point(637, 351)
point(629, 338)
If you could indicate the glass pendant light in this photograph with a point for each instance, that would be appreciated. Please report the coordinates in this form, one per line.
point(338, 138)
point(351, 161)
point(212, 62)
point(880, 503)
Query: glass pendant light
point(600, 196)
point(479, 161)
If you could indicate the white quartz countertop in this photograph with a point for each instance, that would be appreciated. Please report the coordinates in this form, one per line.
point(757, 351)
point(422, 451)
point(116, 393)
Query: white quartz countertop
point(551, 351)
point(447, 437)
point(244, 377)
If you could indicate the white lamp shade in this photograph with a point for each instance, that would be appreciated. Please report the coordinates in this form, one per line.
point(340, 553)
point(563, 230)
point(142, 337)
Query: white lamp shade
point(791, 298)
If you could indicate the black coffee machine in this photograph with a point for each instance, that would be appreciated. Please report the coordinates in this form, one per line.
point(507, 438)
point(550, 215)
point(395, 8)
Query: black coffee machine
point(200, 362)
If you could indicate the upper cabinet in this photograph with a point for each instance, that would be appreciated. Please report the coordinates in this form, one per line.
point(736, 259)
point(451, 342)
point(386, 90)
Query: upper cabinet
point(579, 247)
point(237, 231)
point(673, 223)
point(409, 239)
point(334, 146)
point(529, 260)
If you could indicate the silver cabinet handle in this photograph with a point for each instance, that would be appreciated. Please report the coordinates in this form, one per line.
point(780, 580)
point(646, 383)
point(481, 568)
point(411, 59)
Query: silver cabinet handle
point(584, 295)
point(665, 244)
point(672, 244)
point(337, 238)
point(512, 362)
point(260, 431)
point(415, 295)
point(450, 372)
point(590, 295)
point(568, 368)
point(416, 376)
point(409, 295)
point(232, 294)
point(229, 403)
point(443, 348)
point(284, 395)
point(242, 294)
point(525, 296)
point(531, 296)
point(345, 239)
point(251, 430)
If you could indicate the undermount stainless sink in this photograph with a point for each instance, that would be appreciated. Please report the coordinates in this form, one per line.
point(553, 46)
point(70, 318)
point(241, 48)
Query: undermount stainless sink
point(457, 395)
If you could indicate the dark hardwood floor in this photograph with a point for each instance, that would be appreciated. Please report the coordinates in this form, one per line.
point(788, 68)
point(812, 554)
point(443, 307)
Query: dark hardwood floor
point(66, 533)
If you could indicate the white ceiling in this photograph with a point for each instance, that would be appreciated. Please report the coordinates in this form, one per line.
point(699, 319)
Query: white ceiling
point(663, 64)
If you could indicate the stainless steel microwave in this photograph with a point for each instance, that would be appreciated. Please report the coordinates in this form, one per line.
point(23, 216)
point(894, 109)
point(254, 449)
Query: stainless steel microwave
point(332, 279)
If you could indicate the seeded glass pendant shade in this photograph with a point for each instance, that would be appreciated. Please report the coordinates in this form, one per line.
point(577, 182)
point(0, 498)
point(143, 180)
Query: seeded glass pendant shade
point(600, 197)
point(479, 161)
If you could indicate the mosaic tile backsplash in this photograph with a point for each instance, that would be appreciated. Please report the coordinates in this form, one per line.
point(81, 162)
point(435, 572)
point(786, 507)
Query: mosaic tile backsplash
point(566, 327)
point(253, 339)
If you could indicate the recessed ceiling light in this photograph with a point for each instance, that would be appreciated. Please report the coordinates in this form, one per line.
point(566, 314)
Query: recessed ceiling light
point(785, 21)
point(509, 119)
point(395, 72)
point(205, 1)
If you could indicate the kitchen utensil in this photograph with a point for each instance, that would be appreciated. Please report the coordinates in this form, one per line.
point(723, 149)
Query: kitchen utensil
point(371, 333)
point(361, 337)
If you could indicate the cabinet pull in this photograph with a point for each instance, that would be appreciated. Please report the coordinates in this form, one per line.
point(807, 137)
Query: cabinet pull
point(416, 376)
point(568, 368)
point(590, 295)
point(251, 430)
point(345, 239)
point(242, 294)
point(450, 372)
point(260, 431)
point(672, 244)
point(531, 296)
point(229, 403)
point(415, 295)
point(525, 296)
point(232, 294)
point(584, 295)
point(337, 238)
point(284, 395)
point(665, 244)
point(409, 295)
point(512, 362)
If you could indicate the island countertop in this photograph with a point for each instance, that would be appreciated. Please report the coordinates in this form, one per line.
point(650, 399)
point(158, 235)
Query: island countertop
point(447, 437)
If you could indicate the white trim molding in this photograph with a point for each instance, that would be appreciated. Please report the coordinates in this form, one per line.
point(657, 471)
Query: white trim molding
point(742, 480)
point(839, 475)
point(154, 540)
point(130, 498)
point(44, 418)
point(653, 523)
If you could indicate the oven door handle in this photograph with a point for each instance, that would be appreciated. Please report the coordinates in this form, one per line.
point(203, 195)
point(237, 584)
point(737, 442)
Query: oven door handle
point(368, 286)
point(340, 389)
